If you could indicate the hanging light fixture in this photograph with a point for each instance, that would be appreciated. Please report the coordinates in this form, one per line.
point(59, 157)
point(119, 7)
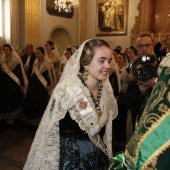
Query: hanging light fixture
point(66, 5)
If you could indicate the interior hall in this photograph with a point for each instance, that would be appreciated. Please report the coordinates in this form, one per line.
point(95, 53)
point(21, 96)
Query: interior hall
point(41, 25)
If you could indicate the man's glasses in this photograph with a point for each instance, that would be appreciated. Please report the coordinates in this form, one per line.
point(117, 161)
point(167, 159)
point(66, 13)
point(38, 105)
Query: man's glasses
point(144, 45)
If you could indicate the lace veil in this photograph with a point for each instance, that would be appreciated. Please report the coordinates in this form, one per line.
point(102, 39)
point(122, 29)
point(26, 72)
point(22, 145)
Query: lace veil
point(73, 50)
point(45, 150)
point(15, 60)
point(56, 53)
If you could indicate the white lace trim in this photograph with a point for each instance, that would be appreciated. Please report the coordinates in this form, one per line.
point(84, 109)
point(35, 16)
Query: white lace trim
point(164, 63)
point(45, 150)
point(11, 66)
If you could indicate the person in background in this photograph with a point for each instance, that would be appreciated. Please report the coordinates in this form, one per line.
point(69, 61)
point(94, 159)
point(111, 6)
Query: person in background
point(132, 55)
point(1, 51)
point(76, 129)
point(118, 47)
point(121, 61)
point(53, 55)
point(39, 89)
point(149, 147)
point(115, 53)
point(22, 52)
point(13, 85)
point(28, 60)
point(114, 74)
point(160, 47)
point(64, 59)
point(134, 94)
point(126, 53)
point(145, 44)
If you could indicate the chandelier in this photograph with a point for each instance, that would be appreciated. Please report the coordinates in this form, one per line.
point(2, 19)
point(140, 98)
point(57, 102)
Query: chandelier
point(66, 5)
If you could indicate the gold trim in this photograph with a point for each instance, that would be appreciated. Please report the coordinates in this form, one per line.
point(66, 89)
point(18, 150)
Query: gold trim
point(142, 137)
point(155, 155)
point(144, 119)
point(160, 94)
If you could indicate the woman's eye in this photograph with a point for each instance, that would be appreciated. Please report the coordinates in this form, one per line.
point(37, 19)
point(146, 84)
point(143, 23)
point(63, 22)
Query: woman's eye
point(109, 61)
point(101, 61)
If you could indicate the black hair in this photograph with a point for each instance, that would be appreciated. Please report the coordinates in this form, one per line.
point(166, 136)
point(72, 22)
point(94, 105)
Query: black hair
point(41, 49)
point(122, 54)
point(134, 50)
point(7, 45)
point(51, 43)
point(145, 35)
point(116, 50)
point(69, 49)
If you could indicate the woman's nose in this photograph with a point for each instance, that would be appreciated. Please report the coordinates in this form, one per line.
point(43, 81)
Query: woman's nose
point(107, 65)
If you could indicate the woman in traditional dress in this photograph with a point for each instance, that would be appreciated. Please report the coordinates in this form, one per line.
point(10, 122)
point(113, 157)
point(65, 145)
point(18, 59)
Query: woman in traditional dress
point(76, 129)
point(66, 56)
point(53, 55)
point(13, 84)
point(39, 89)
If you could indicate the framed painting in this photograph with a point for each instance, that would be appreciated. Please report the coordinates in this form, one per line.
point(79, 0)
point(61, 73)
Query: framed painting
point(111, 17)
point(50, 6)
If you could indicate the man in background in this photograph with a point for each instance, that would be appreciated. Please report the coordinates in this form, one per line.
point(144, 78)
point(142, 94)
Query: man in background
point(28, 60)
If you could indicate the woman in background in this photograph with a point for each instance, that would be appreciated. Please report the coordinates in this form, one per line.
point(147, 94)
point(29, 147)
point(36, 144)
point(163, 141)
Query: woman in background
point(53, 55)
point(39, 89)
point(64, 59)
point(121, 62)
point(13, 84)
point(114, 74)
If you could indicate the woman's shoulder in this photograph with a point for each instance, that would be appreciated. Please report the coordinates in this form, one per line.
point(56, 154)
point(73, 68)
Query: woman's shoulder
point(16, 59)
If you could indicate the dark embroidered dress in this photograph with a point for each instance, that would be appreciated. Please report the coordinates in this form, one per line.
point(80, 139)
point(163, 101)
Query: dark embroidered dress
point(77, 151)
point(11, 96)
point(36, 99)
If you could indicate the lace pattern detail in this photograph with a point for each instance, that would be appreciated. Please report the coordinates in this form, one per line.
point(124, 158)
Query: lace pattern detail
point(45, 150)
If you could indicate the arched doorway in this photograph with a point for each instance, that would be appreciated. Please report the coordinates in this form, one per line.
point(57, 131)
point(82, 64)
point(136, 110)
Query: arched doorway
point(61, 37)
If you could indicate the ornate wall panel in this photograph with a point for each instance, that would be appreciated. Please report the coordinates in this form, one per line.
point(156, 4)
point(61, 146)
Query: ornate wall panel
point(32, 22)
point(153, 18)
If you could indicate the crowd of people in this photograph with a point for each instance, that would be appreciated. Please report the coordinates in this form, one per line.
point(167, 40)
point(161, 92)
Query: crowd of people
point(27, 81)
point(146, 97)
point(85, 102)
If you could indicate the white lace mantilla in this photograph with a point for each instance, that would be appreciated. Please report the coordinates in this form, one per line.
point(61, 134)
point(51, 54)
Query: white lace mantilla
point(45, 150)
point(7, 68)
point(164, 63)
point(45, 65)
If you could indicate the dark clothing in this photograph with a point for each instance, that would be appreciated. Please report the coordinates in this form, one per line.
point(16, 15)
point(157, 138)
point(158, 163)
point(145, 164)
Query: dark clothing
point(77, 150)
point(11, 97)
point(131, 100)
point(149, 145)
point(36, 98)
point(159, 53)
point(32, 59)
point(81, 154)
point(114, 83)
point(70, 128)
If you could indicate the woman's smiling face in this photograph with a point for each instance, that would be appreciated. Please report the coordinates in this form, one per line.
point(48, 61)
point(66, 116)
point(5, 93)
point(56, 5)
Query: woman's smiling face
point(100, 65)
